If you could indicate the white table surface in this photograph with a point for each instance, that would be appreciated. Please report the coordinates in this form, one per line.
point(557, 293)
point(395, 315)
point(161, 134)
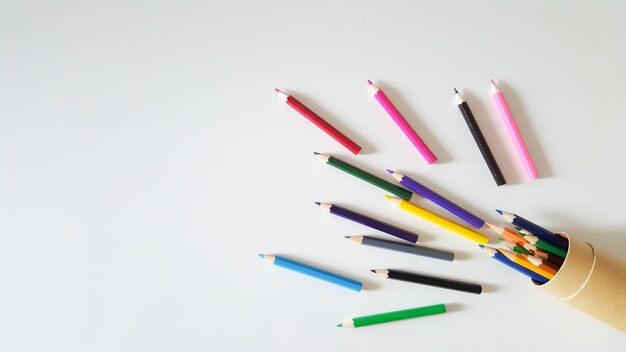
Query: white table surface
point(145, 161)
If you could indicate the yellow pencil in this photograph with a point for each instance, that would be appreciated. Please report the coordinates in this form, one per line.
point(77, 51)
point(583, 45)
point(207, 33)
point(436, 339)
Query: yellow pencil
point(519, 259)
point(436, 219)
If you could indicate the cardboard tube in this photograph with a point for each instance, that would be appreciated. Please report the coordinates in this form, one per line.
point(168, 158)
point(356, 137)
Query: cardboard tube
point(592, 282)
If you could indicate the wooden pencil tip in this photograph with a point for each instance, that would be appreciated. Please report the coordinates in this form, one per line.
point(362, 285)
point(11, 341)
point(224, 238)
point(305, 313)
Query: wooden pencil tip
point(369, 82)
point(390, 171)
point(346, 236)
point(276, 90)
point(456, 91)
point(262, 255)
point(340, 325)
point(374, 271)
point(316, 153)
point(492, 82)
point(318, 203)
point(499, 211)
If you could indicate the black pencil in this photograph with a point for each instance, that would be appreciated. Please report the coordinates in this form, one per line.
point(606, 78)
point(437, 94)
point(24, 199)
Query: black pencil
point(429, 280)
point(480, 140)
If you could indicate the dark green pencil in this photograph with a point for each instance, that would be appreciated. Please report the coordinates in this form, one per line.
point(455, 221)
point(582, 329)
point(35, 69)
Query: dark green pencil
point(365, 176)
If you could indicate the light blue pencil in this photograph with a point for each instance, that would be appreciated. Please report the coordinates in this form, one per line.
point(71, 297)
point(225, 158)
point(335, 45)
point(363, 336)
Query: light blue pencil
point(313, 272)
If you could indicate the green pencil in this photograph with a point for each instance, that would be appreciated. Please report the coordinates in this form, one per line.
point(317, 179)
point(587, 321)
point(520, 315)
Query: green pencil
point(513, 246)
point(392, 316)
point(365, 176)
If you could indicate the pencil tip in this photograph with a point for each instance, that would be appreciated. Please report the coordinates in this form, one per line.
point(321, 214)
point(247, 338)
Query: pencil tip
point(492, 82)
point(318, 203)
point(340, 325)
point(276, 90)
point(456, 91)
point(390, 171)
point(481, 246)
point(262, 255)
point(316, 153)
point(389, 197)
point(346, 236)
point(373, 270)
point(500, 239)
point(499, 211)
point(369, 82)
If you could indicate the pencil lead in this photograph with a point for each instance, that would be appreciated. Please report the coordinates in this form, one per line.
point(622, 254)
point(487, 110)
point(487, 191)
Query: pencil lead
point(456, 91)
point(262, 255)
point(346, 236)
point(318, 203)
point(369, 82)
point(277, 90)
point(499, 211)
point(374, 271)
point(390, 171)
point(492, 82)
point(340, 325)
point(316, 153)
point(481, 246)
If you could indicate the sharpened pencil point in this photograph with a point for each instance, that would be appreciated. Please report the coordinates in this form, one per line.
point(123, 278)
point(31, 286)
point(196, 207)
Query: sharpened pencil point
point(318, 203)
point(481, 246)
point(374, 271)
point(262, 255)
point(456, 91)
point(316, 153)
point(492, 82)
point(369, 82)
point(390, 171)
point(346, 236)
point(389, 197)
point(499, 211)
point(276, 90)
point(340, 325)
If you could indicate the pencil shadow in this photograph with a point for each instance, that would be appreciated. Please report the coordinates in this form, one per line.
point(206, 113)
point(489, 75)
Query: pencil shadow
point(366, 147)
point(495, 134)
point(488, 288)
point(368, 285)
point(526, 130)
point(421, 237)
point(460, 255)
point(453, 307)
point(420, 128)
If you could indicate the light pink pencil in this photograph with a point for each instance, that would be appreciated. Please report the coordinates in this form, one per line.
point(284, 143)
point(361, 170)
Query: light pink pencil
point(498, 98)
point(401, 122)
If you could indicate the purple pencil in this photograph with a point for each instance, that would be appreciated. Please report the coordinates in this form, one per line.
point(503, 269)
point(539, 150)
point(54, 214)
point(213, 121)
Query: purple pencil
point(437, 199)
point(367, 221)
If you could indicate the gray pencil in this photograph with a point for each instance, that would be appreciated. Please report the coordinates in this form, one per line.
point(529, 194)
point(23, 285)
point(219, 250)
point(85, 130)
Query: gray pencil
point(403, 247)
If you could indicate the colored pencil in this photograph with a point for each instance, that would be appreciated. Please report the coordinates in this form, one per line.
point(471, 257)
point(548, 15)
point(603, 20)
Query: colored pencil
point(313, 272)
point(504, 260)
point(534, 229)
point(402, 123)
point(436, 219)
point(522, 261)
point(513, 246)
point(541, 263)
point(368, 221)
point(551, 258)
point(319, 122)
point(479, 139)
point(507, 233)
point(392, 316)
point(403, 247)
point(429, 280)
point(437, 199)
point(514, 133)
point(364, 175)
point(545, 245)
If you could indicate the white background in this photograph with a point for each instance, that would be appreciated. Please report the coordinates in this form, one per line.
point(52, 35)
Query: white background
point(145, 161)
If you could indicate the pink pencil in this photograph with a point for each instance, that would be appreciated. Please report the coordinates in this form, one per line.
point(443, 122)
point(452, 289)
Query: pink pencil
point(401, 122)
point(498, 98)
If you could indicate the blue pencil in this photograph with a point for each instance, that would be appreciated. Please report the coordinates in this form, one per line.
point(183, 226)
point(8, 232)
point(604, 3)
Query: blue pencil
point(504, 260)
point(313, 272)
point(534, 229)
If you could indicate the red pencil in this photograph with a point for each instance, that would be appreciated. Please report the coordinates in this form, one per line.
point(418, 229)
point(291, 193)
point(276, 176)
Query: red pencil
point(319, 122)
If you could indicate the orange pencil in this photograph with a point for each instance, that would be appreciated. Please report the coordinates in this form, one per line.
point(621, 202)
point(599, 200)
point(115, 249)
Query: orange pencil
point(508, 234)
point(520, 260)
